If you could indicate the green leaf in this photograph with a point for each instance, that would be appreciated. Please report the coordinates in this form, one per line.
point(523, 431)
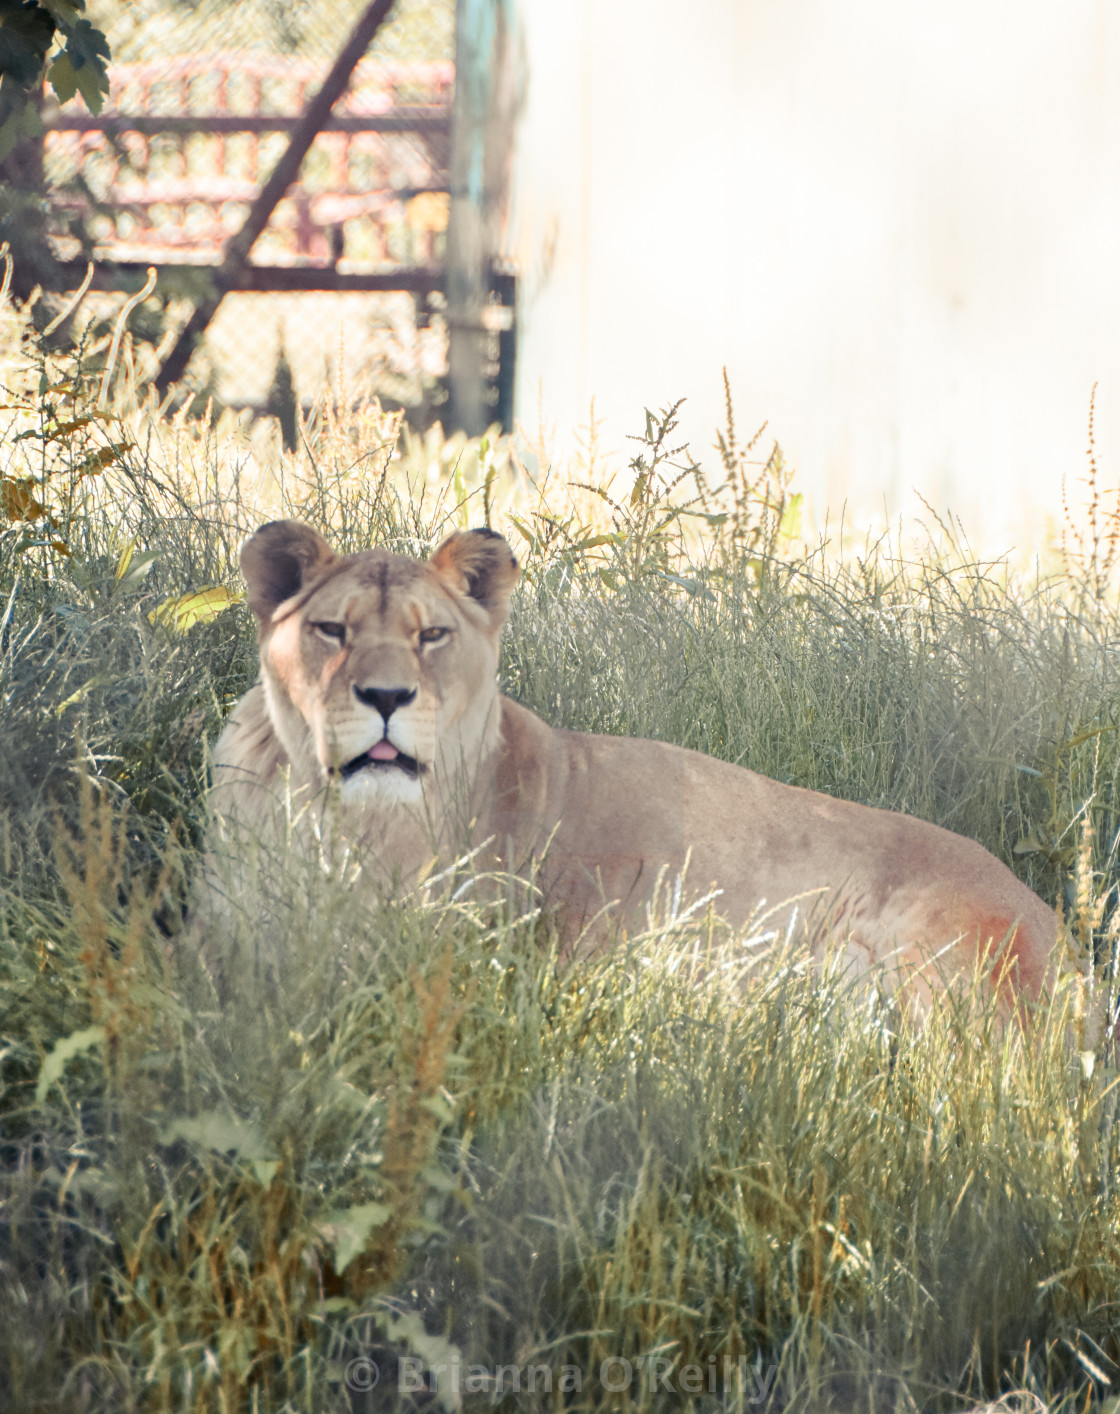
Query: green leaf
point(348, 1230)
point(81, 67)
point(714, 518)
point(790, 526)
point(25, 37)
point(337, 1305)
point(182, 613)
point(224, 1133)
point(522, 529)
point(264, 1170)
point(76, 1044)
point(435, 1350)
point(613, 537)
point(439, 1179)
point(125, 559)
point(63, 78)
point(86, 688)
point(691, 585)
point(438, 1106)
point(132, 569)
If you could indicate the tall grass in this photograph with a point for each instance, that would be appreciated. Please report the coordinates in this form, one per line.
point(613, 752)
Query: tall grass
point(689, 1175)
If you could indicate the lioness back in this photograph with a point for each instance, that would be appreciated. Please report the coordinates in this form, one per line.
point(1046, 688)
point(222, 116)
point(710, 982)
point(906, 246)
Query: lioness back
point(378, 693)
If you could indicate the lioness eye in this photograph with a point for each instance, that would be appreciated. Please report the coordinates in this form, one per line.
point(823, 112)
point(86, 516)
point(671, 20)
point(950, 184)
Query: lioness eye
point(331, 630)
point(433, 635)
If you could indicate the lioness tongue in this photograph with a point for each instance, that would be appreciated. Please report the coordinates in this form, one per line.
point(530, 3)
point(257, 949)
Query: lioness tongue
point(383, 751)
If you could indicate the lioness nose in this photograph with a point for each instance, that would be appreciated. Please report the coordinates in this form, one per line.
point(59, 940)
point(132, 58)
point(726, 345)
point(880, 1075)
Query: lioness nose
point(385, 699)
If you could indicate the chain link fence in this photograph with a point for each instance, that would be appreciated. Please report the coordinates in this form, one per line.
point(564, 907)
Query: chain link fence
point(205, 94)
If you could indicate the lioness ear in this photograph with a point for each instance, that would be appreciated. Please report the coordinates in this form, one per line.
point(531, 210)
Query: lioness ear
point(480, 563)
point(278, 560)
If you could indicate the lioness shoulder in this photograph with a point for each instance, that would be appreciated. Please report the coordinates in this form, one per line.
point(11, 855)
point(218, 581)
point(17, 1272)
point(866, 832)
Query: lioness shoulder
point(378, 691)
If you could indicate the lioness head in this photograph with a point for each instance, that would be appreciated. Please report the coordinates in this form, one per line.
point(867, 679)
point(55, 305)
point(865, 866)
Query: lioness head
point(380, 670)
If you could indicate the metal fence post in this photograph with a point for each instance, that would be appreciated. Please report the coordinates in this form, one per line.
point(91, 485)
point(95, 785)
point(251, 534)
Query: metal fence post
point(480, 145)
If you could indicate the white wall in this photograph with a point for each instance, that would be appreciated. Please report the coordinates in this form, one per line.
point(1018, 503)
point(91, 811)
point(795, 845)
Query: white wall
point(898, 226)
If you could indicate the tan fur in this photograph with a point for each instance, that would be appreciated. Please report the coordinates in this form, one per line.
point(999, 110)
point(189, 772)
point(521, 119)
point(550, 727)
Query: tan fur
point(603, 818)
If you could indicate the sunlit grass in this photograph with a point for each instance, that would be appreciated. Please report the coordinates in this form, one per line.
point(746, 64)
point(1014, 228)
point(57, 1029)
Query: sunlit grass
point(383, 1132)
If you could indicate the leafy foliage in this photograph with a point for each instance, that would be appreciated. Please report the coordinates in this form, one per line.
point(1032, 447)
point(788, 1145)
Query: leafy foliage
point(28, 31)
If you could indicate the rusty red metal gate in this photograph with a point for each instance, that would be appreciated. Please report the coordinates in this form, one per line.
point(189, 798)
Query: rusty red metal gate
point(252, 173)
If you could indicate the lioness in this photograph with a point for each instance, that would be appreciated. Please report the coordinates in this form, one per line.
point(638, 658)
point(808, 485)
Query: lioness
point(378, 690)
